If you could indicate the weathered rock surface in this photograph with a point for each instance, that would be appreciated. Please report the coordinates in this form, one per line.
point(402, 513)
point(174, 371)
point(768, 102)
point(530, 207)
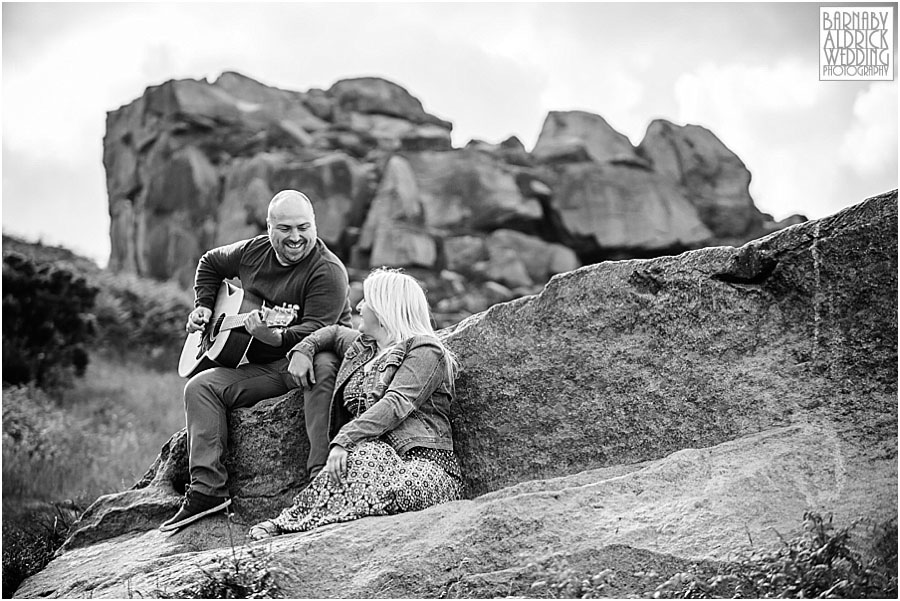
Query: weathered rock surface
point(696, 503)
point(191, 165)
point(578, 135)
point(639, 413)
point(716, 180)
point(608, 207)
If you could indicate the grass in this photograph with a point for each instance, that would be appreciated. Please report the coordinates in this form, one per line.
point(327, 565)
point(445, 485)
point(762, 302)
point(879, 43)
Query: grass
point(64, 448)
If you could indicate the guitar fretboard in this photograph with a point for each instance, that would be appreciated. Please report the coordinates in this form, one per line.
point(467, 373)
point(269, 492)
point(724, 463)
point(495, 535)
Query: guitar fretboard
point(230, 322)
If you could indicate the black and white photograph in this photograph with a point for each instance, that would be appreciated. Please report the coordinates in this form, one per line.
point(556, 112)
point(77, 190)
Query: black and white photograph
point(449, 300)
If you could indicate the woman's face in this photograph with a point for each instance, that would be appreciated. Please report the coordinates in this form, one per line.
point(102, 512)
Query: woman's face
point(368, 323)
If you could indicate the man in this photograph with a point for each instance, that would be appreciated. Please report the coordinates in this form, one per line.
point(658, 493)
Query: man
point(289, 265)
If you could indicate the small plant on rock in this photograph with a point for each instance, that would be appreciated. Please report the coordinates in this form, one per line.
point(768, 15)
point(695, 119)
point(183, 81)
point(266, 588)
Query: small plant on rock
point(237, 577)
point(819, 564)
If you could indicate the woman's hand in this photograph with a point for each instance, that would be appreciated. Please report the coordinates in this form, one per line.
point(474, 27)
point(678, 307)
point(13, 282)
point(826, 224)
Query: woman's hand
point(301, 369)
point(336, 466)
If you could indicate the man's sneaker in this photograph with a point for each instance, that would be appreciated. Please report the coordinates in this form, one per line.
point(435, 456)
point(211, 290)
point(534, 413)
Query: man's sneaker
point(195, 506)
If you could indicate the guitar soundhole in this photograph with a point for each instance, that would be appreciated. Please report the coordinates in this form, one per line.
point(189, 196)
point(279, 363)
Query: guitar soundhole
point(216, 327)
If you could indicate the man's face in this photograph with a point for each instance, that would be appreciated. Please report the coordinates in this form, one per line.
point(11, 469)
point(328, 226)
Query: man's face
point(292, 230)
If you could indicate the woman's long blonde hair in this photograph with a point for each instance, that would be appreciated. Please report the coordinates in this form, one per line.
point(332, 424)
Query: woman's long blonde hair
point(402, 309)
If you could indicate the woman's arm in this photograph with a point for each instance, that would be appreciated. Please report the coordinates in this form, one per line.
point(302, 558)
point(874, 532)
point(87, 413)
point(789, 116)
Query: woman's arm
point(335, 338)
point(417, 377)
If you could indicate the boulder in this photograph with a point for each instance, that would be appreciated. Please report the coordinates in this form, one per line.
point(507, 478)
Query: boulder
point(644, 523)
point(602, 208)
point(508, 256)
point(191, 165)
point(393, 133)
point(462, 252)
point(393, 233)
point(267, 460)
point(573, 136)
point(649, 412)
point(540, 259)
point(377, 96)
point(466, 189)
point(715, 179)
point(285, 107)
point(510, 150)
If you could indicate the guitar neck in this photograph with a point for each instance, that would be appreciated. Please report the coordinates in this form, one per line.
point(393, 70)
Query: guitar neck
point(232, 322)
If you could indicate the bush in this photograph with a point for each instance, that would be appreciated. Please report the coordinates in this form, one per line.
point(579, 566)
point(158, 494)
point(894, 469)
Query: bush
point(245, 573)
point(141, 319)
point(46, 322)
point(237, 577)
point(820, 564)
point(30, 540)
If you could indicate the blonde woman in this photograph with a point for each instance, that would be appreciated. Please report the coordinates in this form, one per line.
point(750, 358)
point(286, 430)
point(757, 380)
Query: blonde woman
point(391, 442)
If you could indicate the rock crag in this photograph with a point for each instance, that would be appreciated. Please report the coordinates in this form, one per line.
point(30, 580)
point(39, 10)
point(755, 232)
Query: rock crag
point(191, 165)
point(637, 415)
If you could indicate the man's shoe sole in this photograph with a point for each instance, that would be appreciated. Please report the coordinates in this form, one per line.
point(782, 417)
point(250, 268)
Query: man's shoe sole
point(194, 518)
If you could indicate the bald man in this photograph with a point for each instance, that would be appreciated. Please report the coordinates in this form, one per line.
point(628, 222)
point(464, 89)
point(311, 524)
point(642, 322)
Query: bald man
point(288, 265)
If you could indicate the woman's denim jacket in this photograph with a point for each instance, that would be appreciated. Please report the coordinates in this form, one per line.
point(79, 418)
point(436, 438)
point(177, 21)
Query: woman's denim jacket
point(409, 405)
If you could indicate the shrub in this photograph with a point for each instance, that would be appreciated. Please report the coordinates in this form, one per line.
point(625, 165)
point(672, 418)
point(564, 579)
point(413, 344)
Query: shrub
point(237, 576)
point(46, 322)
point(819, 564)
point(141, 319)
point(245, 573)
point(30, 540)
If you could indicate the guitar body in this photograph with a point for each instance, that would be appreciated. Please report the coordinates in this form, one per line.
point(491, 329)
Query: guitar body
point(215, 347)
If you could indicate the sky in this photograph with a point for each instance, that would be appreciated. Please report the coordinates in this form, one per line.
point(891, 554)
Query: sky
point(749, 72)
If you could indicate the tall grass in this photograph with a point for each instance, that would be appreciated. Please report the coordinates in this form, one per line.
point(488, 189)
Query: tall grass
point(64, 448)
point(95, 437)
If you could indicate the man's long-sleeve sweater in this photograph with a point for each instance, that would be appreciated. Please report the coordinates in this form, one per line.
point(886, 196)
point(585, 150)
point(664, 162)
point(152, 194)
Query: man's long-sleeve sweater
point(318, 284)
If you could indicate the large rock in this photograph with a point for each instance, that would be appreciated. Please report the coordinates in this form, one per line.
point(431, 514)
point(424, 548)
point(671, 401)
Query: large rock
point(611, 208)
point(647, 412)
point(377, 96)
point(394, 233)
point(508, 256)
point(466, 189)
point(288, 108)
point(637, 521)
point(191, 165)
point(716, 180)
point(569, 136)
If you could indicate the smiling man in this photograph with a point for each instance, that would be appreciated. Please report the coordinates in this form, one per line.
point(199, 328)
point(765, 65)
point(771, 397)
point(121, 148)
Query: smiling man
point(289, 266)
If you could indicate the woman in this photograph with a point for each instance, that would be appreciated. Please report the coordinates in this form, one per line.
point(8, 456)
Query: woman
point(391, 444)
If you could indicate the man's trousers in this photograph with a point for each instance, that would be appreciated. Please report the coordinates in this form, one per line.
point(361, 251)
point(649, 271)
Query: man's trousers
point(210, 395)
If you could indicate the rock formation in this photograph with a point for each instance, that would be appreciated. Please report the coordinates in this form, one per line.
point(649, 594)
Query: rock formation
point(636, 415)
point(191, 165)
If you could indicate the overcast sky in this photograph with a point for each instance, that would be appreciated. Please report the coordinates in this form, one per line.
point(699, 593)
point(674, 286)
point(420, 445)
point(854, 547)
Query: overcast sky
point(748, 72)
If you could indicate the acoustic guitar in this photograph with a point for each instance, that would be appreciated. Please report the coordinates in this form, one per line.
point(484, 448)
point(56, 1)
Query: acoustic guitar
point(224, 341)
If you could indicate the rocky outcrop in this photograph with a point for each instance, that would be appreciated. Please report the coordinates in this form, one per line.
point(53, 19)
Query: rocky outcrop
point(191, 165)
point(575, 136)
point(646, 412)
point(622, 207)
point(714, 178)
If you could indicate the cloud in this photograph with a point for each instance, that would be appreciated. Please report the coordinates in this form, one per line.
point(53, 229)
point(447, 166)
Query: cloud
point(778, 119)
point(870, 145)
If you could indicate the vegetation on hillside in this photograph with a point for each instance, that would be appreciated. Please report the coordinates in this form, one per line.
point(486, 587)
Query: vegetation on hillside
point(90, 391)
point(46, 321)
